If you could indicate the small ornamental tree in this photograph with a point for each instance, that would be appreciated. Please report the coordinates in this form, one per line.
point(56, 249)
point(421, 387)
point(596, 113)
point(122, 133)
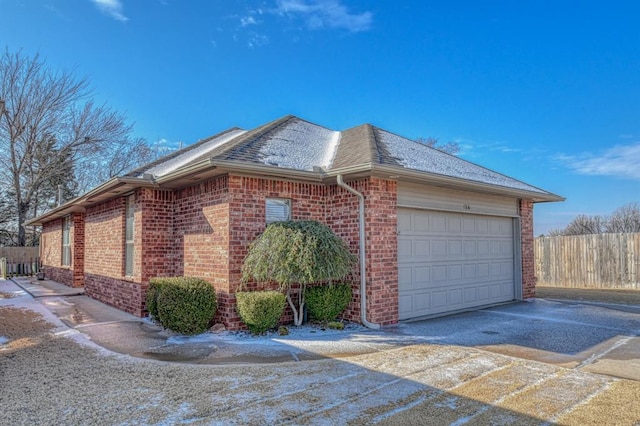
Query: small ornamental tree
point(304, 252)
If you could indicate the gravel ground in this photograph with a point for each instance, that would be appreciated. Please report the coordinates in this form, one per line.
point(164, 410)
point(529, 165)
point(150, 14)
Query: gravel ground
point(51, 375)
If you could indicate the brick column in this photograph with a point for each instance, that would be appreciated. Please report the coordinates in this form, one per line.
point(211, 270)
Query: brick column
point(381, 226)
point(77, 250)
point(525, 210)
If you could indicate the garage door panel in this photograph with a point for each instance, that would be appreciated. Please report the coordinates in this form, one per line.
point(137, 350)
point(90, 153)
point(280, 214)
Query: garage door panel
point(439, 274)
point(438, 299)
point(455, 297)
point(454, 261)
point(404, 221)
point(454, 225)
point(438, 223)
point(454, 249)
point(421, 249)
point(405, 278)
point(438, 249)
point(422, 275)
point(470, 294)
point(404, 248)
point(470, 248)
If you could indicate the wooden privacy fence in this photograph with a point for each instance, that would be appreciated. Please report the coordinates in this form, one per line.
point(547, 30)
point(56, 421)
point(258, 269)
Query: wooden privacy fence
point(19, 261)
point(589, 261)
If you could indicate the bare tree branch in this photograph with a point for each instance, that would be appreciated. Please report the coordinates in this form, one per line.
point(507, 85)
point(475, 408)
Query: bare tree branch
point(450, 147)
point(50, 131)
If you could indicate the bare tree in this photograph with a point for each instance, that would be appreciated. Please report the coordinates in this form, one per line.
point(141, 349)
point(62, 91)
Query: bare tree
point(48, 124)
point(624, 219)
point(584, 224)
point(450, 147)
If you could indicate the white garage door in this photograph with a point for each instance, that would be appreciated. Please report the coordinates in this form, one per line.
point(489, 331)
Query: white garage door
point(451, 261)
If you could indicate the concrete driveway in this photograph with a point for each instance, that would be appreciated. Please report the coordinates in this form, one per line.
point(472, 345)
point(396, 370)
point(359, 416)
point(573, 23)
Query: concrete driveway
point(474, 368)
point(596, 338)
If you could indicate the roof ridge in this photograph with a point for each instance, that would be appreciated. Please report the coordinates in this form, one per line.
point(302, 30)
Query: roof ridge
point(384, 156)
point(249, 137)
point(178, 152)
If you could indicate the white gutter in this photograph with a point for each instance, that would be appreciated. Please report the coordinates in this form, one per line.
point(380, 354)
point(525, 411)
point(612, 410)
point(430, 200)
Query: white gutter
point(363, 269)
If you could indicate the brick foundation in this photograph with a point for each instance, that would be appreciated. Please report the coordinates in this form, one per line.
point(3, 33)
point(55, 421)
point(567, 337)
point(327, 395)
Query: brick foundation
point(60, 275)
point(124, 295)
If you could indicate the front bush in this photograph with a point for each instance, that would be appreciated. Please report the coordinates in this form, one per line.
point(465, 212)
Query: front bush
point(326, 302)
point(185, 305)
point(260, 310)
point(152, 296)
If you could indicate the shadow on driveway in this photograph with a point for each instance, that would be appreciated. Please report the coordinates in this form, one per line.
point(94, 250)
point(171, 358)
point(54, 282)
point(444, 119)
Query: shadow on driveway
point(596, 338)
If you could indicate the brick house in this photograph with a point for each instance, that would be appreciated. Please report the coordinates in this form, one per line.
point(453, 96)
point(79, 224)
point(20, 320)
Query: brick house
point(440, 234)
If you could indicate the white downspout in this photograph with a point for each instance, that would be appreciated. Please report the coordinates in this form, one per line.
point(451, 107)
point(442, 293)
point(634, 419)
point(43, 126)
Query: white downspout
point(363, 269)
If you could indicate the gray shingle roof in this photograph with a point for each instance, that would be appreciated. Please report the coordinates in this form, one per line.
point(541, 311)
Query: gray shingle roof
point(293, 143)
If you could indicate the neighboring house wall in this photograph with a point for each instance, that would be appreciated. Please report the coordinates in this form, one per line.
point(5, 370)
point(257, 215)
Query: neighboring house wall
point(525, 209)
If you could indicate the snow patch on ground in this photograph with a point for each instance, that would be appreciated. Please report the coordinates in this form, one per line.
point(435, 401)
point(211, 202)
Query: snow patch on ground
point(3, 340)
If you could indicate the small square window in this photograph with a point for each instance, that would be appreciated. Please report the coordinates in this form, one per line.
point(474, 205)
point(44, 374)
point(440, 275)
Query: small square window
point(278, 210)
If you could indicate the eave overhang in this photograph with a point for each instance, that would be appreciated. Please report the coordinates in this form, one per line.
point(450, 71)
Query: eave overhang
point(209, 168)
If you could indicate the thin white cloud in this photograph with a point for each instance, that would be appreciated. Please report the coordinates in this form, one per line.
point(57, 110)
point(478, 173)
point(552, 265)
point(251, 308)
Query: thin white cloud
point(621, 161)
point(257, 40)
point(325, 14)
point(112, 8)
point(248, 20)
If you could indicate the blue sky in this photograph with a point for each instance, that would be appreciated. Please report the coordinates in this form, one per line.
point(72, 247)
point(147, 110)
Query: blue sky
point(544, 91)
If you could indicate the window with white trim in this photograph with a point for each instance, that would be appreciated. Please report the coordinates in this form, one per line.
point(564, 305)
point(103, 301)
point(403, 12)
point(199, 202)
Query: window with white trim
point(66, 241)
point(129, 221)
point(278, 210)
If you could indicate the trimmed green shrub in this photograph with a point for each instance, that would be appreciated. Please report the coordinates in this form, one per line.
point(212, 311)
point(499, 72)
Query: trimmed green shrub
point(260, 310)
point(184, 304)
point(152, 296)
point(326, 302)
point(336, 325)
point(303, 252)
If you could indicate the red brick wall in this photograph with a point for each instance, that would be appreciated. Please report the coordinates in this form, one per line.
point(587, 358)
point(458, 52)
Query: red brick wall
point(77, 249)
point(382, 251)
point(104, 257)
point(204, 230)
point(201, 235)
point(51, 252)
point(525, 208)
point(342, 218)
point(104, 239)
point(51, 241)
point(122, 294)
point(156, 240)
point(381, 245)
point(247, 220)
